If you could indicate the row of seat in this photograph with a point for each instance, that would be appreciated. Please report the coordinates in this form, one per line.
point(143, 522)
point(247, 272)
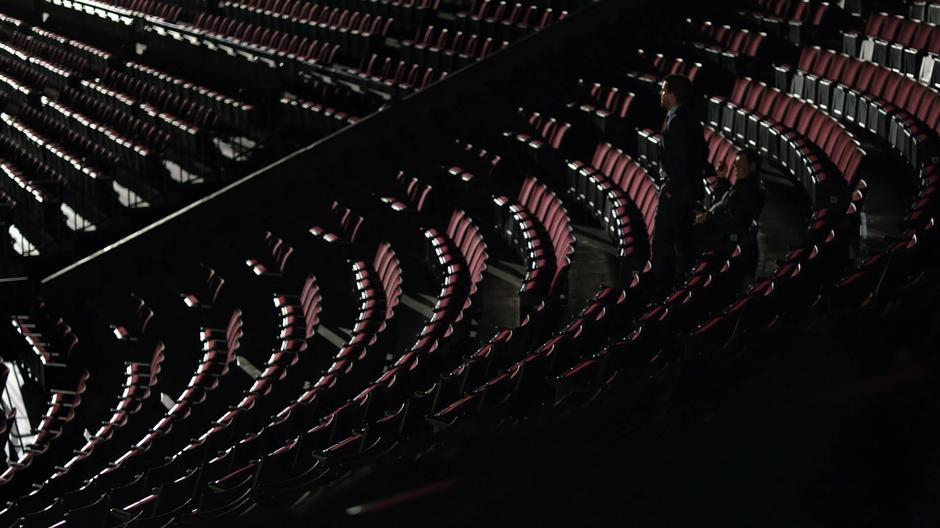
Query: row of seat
point(383, 73)
point(504, 20)
point(409, 191)
point(97, 59)
point(632, 178)
point(281, 44)
point(649, 349)
point(9, 23)
point(895, 108)
point(346, 225)
point(149, 8)
point(543, 132)
point(40, 129)
point(366, 408)
point(924, 10)
point(551, 212)
point(232, 111)
point(468, 242)
point(55, 435)
point(377, 289)
point(476, 161)
point(79, 501)
point(500, 377)
point(37, 176)
point(793, 287)
point(606, 105)
point(336, 28)
point(440, 50)
point(188, 110)
point(292, 464)
point(893, 41)
point(316, 115)
point(798, 21)
point(134, 407)
point(817, 150)
point(49, 350)
point(54, 75)
point(499, 352)
point(897, 268)
point(656, 66)
point(129, 138)
point(96, 14)
point(278, 379)
point(37, 195)
point(41, 190)
point(310, 19)
point(94, 154)
point(29, 79)
point(138, 362)
point(883, 275)
point(140, 376)
point(296, 319)
point(411, 13)
point(61, 57)
point(622, 195)
point(50, 341)
point(12, 90)
point(128, 149)
point(537, 225)
point(729, 47)
point(180, 133)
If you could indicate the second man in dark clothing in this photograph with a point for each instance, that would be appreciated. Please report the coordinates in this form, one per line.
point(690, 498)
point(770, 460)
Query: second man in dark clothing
point(682, 164)
point(728, 220)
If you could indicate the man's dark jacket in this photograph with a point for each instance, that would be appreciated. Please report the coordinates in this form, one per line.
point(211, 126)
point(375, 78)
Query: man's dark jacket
point(683, 160)
point(732, 214)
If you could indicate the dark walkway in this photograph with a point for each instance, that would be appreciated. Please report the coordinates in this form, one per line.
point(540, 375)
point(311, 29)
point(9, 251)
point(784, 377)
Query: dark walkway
point(593, 265)
point(890, 188)
point(781, 222)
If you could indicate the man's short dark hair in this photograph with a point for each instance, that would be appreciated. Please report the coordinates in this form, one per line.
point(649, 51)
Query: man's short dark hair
point(679, 86)
point(753, 157)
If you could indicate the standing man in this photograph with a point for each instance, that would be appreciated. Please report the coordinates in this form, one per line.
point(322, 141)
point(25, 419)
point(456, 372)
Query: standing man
point(682, 165)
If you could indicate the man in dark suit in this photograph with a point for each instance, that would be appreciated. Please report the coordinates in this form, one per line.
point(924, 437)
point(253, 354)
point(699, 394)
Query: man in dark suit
point(682, 165)
point(726, 221)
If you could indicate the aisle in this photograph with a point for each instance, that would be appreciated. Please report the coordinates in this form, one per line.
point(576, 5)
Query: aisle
point(781, 222)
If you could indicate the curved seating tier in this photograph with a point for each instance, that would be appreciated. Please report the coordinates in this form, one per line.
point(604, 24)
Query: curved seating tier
point(731, 48)
point(618, 191)
point(815, 148)
point(437, 49)
point(799, 21)
point(52, 355)
point(538, 226)
point(896, 108)
point(893, 41)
